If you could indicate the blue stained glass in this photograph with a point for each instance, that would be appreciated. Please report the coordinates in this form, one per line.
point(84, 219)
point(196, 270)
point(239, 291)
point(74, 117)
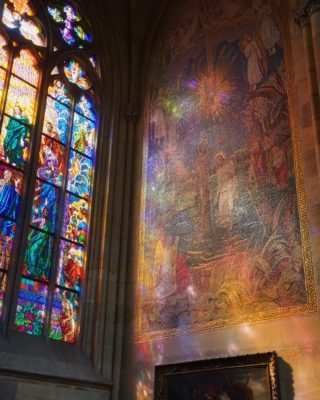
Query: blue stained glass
point(83, 135)
point(7, 234)
point(10, 191)
point(80, 173)
point(85, 107)
point(57, 120)
point(51, 161)
point(44, 201)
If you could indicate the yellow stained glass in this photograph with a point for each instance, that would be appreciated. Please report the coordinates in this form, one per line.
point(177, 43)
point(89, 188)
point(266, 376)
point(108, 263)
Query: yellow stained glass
point(24, 66)
point(23, 95)
point(22, 7)
point(3, 53)
point(2, 78)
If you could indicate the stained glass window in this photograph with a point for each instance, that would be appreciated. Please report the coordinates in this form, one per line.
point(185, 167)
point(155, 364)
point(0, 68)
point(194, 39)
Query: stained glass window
point(47, 155)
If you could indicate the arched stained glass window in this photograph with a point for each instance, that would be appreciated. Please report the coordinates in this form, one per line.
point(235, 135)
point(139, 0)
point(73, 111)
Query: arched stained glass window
point(48, 124)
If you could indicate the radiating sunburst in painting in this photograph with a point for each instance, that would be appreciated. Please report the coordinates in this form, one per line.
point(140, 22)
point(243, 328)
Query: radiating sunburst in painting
point(214, 92)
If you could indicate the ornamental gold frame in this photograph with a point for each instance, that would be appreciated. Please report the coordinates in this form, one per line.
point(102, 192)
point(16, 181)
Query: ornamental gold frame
point(311, 305)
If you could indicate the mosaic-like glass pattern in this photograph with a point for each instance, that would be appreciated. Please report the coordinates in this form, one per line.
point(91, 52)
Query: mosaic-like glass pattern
point(93, 61)
point(31, 308)
point(57, 120)
point(71, 265)
point(10, 191)
point(75, 221)
point(83, 135)
point(64, 317)
point(70, 25)
point(79, 174)
point(59, 92)
point(25, 66)
point(44, 206)
point(4, 56)
point(16, 15)
point(85, 107)
point(51, 161)
point(21, 95)
point(15, 138)
point(7, 234)
point(2, 79)
point(3, 284)
point(38, 257)
point(77, 75)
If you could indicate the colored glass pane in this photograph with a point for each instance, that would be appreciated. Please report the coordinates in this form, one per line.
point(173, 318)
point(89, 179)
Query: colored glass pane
point(93, 62)
point(70, 27)
point(31, 308)
point(7, 234)
point(4, 56)
point(51, 161)
point(14, 17)
point(38, 257)
point(3, 284)
point(79, 174)
point(23, 96)
point(71, 265)
point(57, 120)
point(44, 207)
point(64, 317)
point(2, 79)
point(10, 191)
point(83, 135)
point(85, 107)
point(14, 140)
point(25, 66)
point(75, 220)
point(76, 74)
point(55, 71)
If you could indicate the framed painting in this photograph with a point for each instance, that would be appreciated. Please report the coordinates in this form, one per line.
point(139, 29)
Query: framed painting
point(250, 377)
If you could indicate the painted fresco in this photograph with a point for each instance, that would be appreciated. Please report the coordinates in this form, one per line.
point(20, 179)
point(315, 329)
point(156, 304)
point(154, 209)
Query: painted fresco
point(220, 232)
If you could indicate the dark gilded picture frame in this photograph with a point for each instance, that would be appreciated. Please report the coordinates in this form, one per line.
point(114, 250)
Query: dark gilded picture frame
point(249, 377)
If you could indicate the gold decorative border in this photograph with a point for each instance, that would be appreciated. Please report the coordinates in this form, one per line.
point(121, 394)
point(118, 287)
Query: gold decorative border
point(311, 305)
point(267, 360)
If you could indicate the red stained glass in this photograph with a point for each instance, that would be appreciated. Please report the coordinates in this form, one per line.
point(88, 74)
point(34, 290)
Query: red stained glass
point(7, 234)
point(71, 266)
point(25, 66)
point(75, 221)
point(10, 191)
point(51, 161)
point(64, 317)
point(31, 308)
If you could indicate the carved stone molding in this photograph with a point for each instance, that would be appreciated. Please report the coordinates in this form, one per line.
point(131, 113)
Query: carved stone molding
point(306, 9)
point(131, 112)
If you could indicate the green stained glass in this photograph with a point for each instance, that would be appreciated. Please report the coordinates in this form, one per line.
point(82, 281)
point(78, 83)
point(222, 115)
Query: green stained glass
point(15, 138)
point(38, 257)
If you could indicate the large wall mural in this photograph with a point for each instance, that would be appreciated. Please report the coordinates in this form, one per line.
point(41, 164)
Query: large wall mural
point(223, 234)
